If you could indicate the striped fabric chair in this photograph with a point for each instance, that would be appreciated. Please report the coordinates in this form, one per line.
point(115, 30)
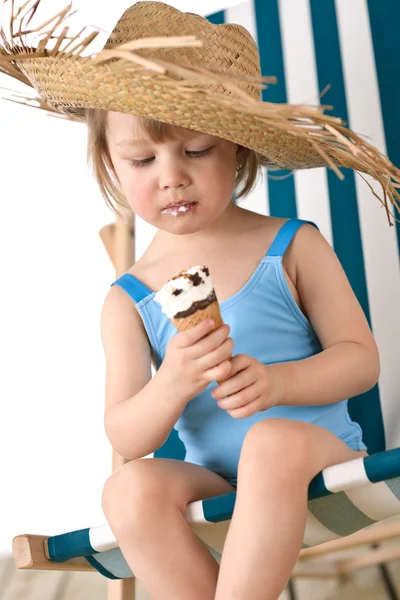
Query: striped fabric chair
point(308, 44)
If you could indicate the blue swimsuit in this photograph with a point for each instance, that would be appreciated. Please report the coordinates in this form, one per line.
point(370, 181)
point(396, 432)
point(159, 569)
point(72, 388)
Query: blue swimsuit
point(266, 323)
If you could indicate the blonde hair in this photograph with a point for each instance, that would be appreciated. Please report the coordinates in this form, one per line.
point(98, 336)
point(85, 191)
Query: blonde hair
point(99, 159)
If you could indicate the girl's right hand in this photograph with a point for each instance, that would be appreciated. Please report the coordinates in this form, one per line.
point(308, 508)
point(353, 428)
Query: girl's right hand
point(196, 357)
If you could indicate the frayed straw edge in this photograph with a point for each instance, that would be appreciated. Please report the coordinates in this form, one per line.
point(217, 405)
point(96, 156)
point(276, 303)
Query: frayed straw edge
point(44, 107)
point(63, 15)
point(40, 104)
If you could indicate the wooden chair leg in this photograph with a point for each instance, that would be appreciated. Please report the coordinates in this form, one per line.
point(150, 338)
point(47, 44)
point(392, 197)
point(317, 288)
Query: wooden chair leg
point(121, 589)
point(119, 241)
point(291, 589)
point(387, 579)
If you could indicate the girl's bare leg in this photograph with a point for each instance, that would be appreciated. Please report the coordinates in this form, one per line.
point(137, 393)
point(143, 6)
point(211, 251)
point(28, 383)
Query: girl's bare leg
point(144, 503)
point(278, 460)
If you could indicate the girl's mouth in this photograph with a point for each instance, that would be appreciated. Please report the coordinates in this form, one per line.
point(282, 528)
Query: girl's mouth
point(179, 210)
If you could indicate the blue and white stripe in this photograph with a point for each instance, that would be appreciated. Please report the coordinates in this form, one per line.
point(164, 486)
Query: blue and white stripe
point(342, 499)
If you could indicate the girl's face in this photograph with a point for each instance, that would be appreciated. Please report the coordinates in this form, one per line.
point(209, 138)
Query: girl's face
point(193, 167)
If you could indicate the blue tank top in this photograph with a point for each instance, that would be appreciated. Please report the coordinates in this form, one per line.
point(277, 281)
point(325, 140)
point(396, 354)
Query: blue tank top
point(266, 323)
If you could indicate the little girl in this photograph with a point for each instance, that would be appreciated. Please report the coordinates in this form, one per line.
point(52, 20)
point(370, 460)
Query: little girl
point(299, 341)
point(301, 345)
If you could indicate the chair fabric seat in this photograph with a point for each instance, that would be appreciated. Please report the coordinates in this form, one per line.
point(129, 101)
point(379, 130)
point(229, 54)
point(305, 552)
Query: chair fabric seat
point(342, 499)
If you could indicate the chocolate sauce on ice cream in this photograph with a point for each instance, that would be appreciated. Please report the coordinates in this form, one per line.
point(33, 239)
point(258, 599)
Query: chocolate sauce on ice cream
point(185, 293)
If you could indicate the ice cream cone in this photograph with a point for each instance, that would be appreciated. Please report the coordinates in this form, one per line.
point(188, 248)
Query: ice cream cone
point(189, 298)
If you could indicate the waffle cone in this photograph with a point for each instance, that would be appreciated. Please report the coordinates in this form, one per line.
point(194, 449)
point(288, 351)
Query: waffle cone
point(212, 311)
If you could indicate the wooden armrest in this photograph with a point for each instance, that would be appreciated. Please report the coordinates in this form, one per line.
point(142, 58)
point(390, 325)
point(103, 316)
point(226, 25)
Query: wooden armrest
point(30, 552)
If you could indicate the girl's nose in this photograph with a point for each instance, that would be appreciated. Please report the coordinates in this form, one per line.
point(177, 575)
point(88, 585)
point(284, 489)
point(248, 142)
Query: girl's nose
point(173, 175)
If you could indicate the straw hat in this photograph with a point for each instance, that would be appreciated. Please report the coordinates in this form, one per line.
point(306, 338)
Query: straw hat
point(179, 68)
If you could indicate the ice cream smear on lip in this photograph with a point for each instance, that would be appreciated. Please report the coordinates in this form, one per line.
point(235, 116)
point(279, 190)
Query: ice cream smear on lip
point(177, 210)
point(186, 292)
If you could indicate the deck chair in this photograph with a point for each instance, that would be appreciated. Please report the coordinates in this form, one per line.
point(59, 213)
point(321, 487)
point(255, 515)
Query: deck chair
point(343, 499)
point(307, 45)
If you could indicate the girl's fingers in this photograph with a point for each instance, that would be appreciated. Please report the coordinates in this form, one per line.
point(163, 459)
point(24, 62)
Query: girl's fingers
point(234, 384)
point(240, 362)
point(221, 371)
point(194, 334)
point(239, 413)
point(215, 357)
point(244, 396)
point(244, 411)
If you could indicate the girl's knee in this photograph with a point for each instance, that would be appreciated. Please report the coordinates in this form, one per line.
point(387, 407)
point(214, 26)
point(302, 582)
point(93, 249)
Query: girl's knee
point(132, 490)
point(276, 444)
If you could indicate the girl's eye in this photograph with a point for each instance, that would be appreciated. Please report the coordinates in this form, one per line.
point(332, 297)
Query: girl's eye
point(140, 163)
point(147, 161)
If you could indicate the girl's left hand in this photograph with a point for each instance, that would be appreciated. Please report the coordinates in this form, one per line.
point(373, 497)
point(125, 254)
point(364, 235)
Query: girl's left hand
point(251, 387)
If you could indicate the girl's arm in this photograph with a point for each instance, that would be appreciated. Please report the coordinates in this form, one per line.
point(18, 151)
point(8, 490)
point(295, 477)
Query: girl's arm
point(139, 412)
point(142, 423)
point(344, 370)
point(349, 362)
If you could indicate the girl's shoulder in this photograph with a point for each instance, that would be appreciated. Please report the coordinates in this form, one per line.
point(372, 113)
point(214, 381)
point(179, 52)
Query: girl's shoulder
point(263, 228)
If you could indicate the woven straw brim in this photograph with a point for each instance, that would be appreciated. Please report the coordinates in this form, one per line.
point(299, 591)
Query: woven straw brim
point(127, 78)
point(105, 87)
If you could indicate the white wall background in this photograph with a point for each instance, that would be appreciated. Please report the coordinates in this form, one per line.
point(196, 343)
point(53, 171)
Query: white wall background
point(55, 272)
